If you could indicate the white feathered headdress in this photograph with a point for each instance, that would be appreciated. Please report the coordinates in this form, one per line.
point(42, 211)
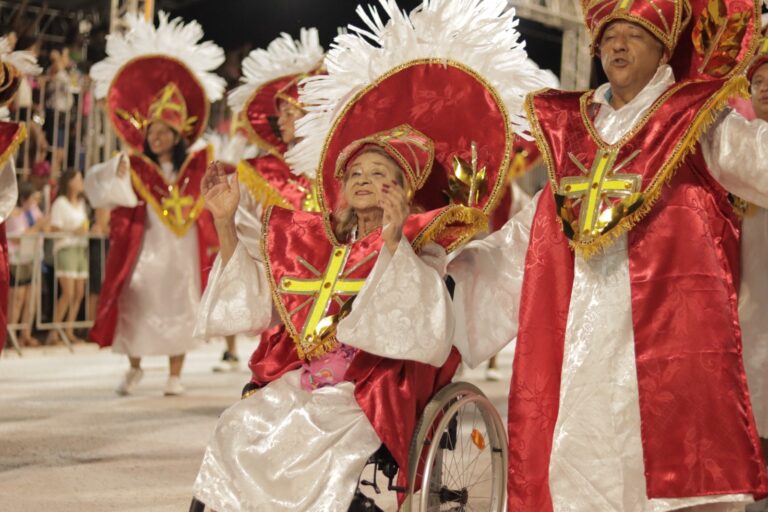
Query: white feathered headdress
point(159, 73)
point(282, 57)
point(479, 34)
point(455, 70)
point(271, 75)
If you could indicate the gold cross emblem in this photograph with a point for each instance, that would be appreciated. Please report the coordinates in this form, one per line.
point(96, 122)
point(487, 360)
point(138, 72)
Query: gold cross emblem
point(324, 288)
point(594, 191)
point(175, 203)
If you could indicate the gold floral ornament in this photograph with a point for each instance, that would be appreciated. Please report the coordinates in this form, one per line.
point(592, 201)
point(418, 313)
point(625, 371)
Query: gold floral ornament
point(718, 36)
point(168, 107)
point(603, 196)
point(467, 184)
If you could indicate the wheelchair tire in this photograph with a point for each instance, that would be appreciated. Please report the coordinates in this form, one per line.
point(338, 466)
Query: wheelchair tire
point(470, 435)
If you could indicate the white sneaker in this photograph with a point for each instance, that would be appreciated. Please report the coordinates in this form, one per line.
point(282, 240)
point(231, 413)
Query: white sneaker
point(130, 381)
point(173, 387)
point(492, 375)
point(229, 363)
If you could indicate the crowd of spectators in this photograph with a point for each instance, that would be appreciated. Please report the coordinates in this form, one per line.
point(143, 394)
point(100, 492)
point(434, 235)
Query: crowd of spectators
point(48, 269)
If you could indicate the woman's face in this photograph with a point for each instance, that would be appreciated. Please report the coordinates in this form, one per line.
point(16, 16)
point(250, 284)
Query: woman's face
point(161, 138)
point(287, 115)
point(76, 184)
point(32, 201)
point(365, 177)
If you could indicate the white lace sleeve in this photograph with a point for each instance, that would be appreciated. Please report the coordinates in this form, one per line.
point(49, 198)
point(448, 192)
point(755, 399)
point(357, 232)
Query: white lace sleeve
point(736, 152)
point(8, 190)
point(105, 189)
point(237, 299)
point(404, 310)
point(248, 223)
point(489, 279)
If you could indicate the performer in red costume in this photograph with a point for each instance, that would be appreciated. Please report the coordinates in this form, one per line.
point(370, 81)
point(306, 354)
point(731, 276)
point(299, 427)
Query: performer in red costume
point(391, 122)
point(13, 67)
point(157, 83)
point(267, 107)
point(620, 280)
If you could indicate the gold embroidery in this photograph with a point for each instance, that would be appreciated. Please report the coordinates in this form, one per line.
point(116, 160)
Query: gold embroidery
point(706, 115)
point(322, 288)
point(593, 191)
point(175, 203)
point(16, 140)
point(261, 190)
point(178, 225)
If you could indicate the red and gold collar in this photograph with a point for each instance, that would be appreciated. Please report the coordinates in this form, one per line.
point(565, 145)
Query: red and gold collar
point(178, 204)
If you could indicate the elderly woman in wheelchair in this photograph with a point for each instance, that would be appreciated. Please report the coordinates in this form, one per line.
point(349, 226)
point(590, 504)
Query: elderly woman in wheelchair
point(357, 327)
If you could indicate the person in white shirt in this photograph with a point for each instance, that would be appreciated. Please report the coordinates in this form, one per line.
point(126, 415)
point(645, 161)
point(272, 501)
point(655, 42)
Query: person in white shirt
point(69, 215)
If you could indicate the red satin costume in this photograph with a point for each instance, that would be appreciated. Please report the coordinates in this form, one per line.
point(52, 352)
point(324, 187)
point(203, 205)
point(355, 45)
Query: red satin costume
point(684, 274)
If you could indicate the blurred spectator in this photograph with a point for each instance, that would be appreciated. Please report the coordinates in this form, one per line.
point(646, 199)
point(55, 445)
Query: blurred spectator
point(58, 106)
point(69, 215)
point(26, 219)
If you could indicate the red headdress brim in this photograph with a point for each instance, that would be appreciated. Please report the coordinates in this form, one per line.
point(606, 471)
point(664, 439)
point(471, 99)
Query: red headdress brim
point(136, 86)
point(448, 103)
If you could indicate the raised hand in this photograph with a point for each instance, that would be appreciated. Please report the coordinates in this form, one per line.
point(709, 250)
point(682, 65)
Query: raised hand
point(394, 202)
point(221, 195)
point(123, 165)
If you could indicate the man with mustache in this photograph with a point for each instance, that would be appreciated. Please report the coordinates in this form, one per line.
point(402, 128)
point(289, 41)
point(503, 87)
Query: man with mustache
point(620, 280)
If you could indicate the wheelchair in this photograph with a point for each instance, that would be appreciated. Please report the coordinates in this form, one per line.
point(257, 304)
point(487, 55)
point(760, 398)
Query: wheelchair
point(457, 460)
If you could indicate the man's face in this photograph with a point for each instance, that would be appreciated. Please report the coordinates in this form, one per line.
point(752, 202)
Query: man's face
point(759, 90)
point(630, 55)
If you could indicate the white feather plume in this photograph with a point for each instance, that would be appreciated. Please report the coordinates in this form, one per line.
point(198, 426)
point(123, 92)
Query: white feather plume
point(283, 56)
point(481, 34)
point(172, 38)
point(231, 149)
point(24, 61)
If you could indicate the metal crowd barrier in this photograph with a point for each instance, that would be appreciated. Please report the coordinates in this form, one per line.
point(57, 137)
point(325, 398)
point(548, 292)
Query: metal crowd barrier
point(42, 292)
point(79, 136)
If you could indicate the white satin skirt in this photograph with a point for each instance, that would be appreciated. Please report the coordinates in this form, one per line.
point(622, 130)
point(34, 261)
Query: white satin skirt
point(158, 306)
point(287, 449)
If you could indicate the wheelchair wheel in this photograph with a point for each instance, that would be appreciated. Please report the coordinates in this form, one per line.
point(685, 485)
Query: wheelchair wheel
point(458, 456)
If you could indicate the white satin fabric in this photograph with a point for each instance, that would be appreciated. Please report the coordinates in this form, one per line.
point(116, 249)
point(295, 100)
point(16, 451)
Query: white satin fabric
point(288, 449)
point(596, 461)
point(9, 192)
point(158, 305)
point(753, 311)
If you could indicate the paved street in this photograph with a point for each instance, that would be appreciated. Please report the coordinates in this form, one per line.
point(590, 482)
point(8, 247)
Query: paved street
point(68, 443)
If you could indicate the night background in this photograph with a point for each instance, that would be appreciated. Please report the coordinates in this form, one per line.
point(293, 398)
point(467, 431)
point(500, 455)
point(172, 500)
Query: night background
point(236, 25)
